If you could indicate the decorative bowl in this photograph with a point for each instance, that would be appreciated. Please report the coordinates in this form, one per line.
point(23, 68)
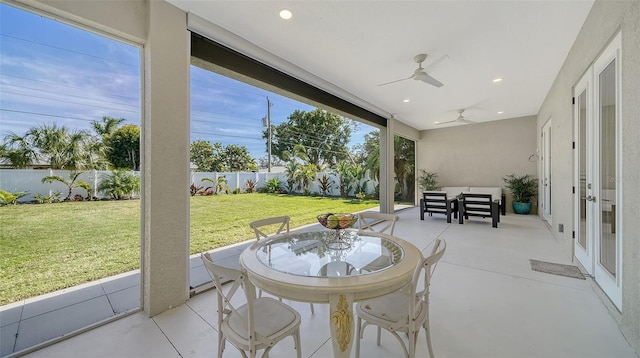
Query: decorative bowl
point(337, 221)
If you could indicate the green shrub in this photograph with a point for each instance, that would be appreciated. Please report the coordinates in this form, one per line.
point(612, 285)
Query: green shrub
point(272, 185)
point(7, 198)
point(120, 184)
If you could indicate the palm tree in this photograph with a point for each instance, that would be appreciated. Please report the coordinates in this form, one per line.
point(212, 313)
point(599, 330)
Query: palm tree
point(108, 125)
point(72, 183)
point(344, 171)
point(17, 151)
point(305, 176)
point(291, 169)
point(63, 149)
point(120, 184)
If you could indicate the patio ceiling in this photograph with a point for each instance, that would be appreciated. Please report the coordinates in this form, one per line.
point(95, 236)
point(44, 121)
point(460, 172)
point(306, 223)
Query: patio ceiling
point(356, 45)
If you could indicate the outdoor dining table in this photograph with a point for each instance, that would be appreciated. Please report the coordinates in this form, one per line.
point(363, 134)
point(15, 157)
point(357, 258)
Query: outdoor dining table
point(338, 267)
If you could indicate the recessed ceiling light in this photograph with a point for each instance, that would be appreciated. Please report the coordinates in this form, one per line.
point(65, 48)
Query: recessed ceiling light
point(496, 80)
point(436, 122)
point(406, 100)
point(285, 14)
point(500, 112)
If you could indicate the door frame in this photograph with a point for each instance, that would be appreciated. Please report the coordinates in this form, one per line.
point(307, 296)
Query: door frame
point(589, 257)
point(545, 158)
point(583, 254)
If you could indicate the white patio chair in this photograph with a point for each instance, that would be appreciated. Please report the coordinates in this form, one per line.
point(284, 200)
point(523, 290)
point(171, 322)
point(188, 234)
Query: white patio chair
point(405, 310)
point(379, 222)
point(283, 222)
point(270, 222)
point(258, 324)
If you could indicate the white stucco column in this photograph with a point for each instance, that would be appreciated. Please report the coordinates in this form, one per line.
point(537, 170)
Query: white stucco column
point(165, 161)
point(387, 182)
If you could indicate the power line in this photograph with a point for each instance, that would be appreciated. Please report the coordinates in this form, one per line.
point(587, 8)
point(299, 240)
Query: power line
point(60, 85)
point(68, 50)
point(46, 115)
point(78, 103)
point(69, 95)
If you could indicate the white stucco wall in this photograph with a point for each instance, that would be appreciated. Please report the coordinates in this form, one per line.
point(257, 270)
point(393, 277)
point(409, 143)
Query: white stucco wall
point(604, 21)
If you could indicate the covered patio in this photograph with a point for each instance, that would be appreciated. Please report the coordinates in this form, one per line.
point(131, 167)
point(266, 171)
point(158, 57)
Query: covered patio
point(485, 302)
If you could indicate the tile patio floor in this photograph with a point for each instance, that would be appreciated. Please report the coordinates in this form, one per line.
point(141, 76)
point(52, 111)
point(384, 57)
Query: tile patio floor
point(485, 302)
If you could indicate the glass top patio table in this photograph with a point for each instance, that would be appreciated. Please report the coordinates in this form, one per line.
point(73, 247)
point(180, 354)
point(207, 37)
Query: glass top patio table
point(322, 267)
point(330, 253)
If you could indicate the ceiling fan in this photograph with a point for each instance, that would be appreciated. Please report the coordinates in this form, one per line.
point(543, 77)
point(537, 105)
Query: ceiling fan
point(461, 119)
point(422, 74)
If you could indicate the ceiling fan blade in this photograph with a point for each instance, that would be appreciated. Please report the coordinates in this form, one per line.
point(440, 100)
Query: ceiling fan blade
point(436, 63)
point(467, 121)
point(388, 83)
point(439, 123)
point(430, 80)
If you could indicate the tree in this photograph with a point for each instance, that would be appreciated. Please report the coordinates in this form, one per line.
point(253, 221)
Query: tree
point(236, 158)
point(16, 152)
point(345, 173)
point(371, 154)
point(263, 162)
point(323, 135)
point(124, 147)
point(72, 183)
point(61, 148)
point(404, 166)
point(206, 156)
point(108, 126)
point(214, 158)
point(98, 149)
point(305, 176)
point(291, 169)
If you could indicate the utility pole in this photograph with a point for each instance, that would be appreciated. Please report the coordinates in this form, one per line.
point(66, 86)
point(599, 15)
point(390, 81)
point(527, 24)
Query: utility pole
point(268, 125)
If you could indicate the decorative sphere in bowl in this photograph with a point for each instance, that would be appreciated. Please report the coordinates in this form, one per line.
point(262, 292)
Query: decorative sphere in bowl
point(337, 221)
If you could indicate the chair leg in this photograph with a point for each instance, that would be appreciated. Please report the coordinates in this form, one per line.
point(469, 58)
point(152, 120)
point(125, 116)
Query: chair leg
point(312, 310)
point(296, 340)
point(427, 332)
point(378, 338)
point(412, 344)
point(221, 341)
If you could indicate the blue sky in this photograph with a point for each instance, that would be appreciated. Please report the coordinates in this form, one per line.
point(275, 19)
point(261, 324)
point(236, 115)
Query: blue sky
point(51, 72)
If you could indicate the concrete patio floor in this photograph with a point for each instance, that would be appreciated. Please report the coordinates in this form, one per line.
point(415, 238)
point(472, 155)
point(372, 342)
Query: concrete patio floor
point(485, 302)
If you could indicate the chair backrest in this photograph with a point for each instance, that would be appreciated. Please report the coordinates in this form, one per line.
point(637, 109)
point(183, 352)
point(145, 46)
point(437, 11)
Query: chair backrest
point(423, 273)
point(225, 307)
point(477, 204)
point(435, 201)
point(258, 224)
point(380, 222)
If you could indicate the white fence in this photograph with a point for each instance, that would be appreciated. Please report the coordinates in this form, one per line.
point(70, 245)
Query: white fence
point(30, 181)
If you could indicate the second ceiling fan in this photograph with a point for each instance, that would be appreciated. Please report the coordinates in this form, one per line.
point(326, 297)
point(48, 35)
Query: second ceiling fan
point(461, 119)
point(422, 73)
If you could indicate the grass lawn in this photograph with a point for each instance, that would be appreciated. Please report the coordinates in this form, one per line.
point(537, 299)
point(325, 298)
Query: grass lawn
point(49, 247)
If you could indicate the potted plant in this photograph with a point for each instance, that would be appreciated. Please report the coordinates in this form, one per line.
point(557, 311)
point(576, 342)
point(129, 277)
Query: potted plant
point(522, 189)
point(427, 180)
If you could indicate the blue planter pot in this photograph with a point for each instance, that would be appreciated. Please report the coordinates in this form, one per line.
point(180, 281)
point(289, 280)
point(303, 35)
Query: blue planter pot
point(521, 208)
